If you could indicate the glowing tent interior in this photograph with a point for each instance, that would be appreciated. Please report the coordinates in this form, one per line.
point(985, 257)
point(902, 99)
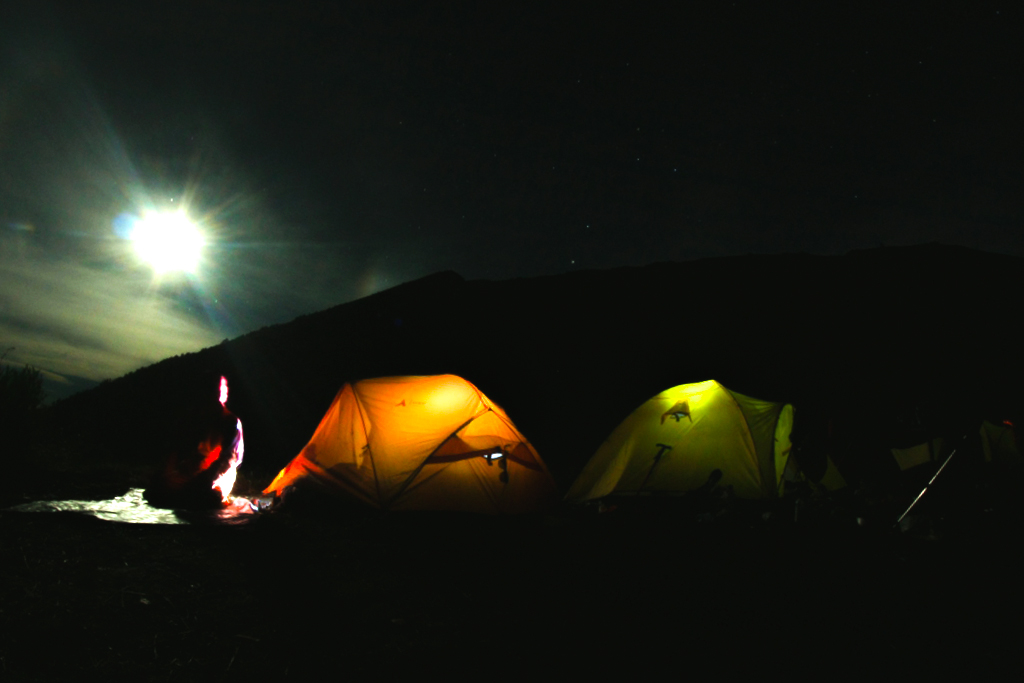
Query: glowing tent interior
point(690, 437)
point(422, 443)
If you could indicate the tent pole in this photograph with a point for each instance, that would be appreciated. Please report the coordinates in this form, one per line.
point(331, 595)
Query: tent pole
point(930, 482)
point(662, 449)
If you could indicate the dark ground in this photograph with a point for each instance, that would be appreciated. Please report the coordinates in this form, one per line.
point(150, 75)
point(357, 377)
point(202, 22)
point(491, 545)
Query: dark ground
point(620, 594)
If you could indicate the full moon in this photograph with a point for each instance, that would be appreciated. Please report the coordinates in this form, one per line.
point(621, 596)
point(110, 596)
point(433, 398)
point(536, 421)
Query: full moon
point(168, 241)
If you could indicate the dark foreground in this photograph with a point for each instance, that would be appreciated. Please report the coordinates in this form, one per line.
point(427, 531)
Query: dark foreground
point(634, 594)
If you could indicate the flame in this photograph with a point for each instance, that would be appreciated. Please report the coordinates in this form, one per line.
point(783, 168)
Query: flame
point(223, 390)
point(225, 482)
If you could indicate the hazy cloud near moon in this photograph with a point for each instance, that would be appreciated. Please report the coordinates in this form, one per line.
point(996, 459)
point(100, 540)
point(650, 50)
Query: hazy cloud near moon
point(86, 321)
point(88, 314)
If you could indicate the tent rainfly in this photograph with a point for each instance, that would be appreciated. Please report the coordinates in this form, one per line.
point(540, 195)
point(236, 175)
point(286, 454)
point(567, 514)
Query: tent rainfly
point(422, 443)
point(684, 438)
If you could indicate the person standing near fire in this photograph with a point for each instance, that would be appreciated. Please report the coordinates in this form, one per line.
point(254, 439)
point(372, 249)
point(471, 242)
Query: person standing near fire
point(203, 450)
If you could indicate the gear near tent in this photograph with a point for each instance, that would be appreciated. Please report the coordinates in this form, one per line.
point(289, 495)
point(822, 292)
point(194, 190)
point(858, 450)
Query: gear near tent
point(692, 437)
point(422, 443)
point(998, 447)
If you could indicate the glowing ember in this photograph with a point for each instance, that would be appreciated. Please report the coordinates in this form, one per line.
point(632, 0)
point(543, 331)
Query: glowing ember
point(209, 456)
point(225, 482)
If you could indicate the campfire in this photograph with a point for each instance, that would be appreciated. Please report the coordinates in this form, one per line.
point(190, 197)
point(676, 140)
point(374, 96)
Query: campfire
point(226, 481)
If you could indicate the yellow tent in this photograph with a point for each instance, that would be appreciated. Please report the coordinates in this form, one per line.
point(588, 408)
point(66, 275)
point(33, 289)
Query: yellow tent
point(673, 443)
point(422, 443)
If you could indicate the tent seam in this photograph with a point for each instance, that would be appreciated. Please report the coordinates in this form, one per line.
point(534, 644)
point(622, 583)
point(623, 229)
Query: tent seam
point(369, 451)
point(419, 468)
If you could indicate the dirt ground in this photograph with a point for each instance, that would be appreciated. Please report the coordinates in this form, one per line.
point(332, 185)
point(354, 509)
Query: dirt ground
point(366, 596)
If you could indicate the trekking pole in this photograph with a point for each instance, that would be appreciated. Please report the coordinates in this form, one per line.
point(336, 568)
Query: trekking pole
point(930, 482)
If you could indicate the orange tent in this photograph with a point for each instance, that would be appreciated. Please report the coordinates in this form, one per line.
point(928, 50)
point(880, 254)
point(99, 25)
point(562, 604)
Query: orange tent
point(422, 443)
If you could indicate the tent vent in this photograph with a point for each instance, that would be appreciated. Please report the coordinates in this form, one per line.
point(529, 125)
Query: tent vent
point(677, 412)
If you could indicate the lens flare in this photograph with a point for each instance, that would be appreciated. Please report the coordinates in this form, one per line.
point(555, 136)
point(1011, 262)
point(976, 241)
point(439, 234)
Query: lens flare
point(168, 242)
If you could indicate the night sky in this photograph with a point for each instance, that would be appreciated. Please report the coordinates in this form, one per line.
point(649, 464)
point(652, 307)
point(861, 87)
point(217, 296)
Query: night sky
point(333, 149)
